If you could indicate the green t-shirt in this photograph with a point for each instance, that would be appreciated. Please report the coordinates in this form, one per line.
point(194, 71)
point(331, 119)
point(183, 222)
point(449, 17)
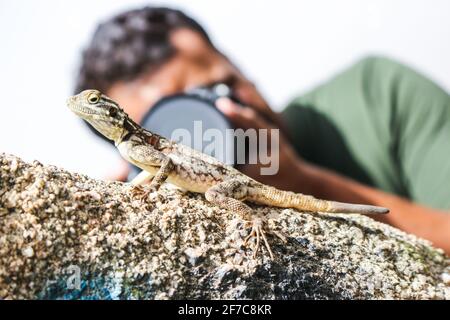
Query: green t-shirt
point(382, 124)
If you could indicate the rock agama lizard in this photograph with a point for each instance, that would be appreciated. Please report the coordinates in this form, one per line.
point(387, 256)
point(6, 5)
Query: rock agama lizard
point(163, 160)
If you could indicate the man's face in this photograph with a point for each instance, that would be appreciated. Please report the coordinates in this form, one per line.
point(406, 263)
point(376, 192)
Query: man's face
point(194, 64)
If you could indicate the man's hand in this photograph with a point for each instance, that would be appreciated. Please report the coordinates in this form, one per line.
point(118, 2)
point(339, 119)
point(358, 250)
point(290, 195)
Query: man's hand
point(121, 174)
point(251, 117)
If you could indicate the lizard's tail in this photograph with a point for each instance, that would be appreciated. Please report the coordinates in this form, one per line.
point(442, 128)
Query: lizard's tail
point(287, 199)
point(342, 207)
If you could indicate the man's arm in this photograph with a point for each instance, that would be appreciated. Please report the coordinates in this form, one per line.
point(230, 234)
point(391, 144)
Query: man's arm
point(428, 223)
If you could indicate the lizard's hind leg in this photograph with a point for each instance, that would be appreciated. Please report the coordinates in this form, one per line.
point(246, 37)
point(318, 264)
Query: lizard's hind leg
point(230, 195)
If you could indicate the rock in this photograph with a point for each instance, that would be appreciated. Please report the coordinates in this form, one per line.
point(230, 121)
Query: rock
point(28, 252)
point(64, 235)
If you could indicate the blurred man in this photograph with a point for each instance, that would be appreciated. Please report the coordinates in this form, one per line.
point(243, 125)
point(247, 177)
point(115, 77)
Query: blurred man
point(378, 133)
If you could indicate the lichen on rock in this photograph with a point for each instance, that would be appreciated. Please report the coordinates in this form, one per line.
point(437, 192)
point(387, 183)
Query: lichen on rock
point(66, 236)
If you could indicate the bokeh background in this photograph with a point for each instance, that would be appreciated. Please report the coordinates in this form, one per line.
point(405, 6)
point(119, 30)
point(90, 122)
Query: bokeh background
point(285, 46)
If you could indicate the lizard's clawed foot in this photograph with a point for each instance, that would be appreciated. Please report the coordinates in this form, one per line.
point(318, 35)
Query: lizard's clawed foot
point(260, 232)
point(141, 192)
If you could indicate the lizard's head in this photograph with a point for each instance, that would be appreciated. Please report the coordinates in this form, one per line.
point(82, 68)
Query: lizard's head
point(101, 112)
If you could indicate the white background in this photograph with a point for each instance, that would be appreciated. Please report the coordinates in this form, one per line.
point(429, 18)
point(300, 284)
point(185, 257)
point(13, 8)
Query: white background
point(286, 47)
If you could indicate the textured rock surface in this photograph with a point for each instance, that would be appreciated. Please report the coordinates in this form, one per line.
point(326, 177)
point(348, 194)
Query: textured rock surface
point(64, 235)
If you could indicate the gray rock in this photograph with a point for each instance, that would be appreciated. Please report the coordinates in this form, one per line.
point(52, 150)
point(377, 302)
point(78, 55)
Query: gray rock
point(66, 236)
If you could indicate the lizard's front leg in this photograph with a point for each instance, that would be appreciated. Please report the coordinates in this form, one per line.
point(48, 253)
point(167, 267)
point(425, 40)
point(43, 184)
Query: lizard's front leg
point(146, 157)
point(230, 195)
point(139, 181)
point(161, 176)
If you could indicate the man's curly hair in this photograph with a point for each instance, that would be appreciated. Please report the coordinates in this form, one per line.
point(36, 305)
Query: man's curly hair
point(130, 43)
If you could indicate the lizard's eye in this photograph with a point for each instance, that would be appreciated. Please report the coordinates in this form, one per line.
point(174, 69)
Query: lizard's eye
point(112, 112)
point(93, 98)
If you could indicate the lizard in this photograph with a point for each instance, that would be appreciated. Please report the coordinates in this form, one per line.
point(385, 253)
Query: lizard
point(163, 160)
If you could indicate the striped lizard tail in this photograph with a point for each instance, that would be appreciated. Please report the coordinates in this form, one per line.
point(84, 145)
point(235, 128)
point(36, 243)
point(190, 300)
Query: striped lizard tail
point(286, 199)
